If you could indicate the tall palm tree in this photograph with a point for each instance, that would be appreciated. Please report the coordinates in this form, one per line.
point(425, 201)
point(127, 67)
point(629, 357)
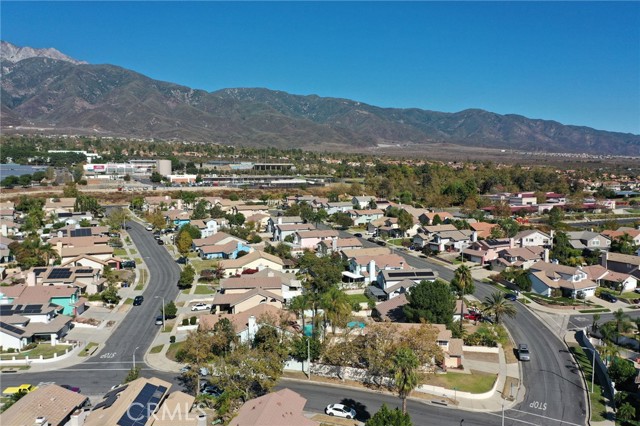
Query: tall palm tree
point(337, 307)
point(463, 277)
point(298, 305)
point(498, 306)
point(405, 373)
point(622, 323)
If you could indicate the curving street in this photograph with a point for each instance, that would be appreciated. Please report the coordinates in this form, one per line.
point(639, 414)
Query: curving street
point(554, 391)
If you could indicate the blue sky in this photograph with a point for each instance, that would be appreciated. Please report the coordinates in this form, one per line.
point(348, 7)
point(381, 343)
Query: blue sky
point(573, 62)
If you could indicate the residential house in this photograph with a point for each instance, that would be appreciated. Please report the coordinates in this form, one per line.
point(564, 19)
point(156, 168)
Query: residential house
point(282, 220)
point(92, 262)
point(362, 202)
point(59, 205)
point(427, 218)
point(347, 254)
point(290, 285)
point(102, 252)
point(485, 251)
point(283, 408)
point(282, 231)
point(571, 281)
point(152, 204)
point(260, 220)
point(519, 257)
point(333, 207)
point(229, 250)
point(67, 297)
point(633, 233)
point(452, 241)
point(311, 239)
point(388, 278)
point(208, 227)
point(55, 405)
point(178, 218)
point(588, 240)
point(389, 228)
point(234, 303)
point(483, 228)
point(623, 263)
point(326, 247)
point(247, 210)
point(615, 280)
point(431, 230)
point(256, 260)
point(217, 238)
point(364, 268)
point(247, 323)
point(364, 217)
point(523, 199)
point(533, 237)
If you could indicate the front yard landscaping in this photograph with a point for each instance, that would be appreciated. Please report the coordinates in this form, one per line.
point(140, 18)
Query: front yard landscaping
point(203, 289)
point(173, 350)
point(476, 382)
point(43, 349)
point(598, 403)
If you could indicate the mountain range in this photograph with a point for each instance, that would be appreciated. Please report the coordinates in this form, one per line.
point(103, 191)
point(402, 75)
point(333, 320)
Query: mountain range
point(46, 91)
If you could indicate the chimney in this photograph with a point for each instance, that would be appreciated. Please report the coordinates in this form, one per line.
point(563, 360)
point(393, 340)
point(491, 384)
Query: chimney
point(270, 274)
point(3, 230)
point(252, 327)
point(474, 236)
point(372, 271)
point(279, 220)
point(546, 255)
point(202, 420)
point(215, 227)
point(41, 421)
point(604, 257)
point(31, 279)
point(334, 245)
point(60, 234)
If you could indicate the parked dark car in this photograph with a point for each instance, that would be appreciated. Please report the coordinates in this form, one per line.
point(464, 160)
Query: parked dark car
point(182, 260)
point(381, 243)
point(137, 301)
point(511, 296)
point(608, 297)
point(128, 264)
point(160, 242)
point(357, 234)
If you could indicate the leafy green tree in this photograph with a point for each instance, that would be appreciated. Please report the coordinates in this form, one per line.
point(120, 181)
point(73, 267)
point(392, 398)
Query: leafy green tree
point(388, 417)
point(117, 217)
point(170, 310)
point(496, 305)
point(622, 323)
point(200, 210)
point(621, 371)
point(196, 351)
point(304, 346)
point(298, 305)
point(156, 177)
point(405, 374)
point(624, 244)
point(405, 221)
point(430, 301)
point(110, 295)
point(343, 220)
point(186, 277)
point(556, 216)
point(183, 243)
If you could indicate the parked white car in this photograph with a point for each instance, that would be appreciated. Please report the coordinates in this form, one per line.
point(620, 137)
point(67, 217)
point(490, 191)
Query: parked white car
point(201, 307)
point(340, 410)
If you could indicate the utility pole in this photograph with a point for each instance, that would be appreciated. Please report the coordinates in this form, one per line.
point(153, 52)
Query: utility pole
point(309, 358)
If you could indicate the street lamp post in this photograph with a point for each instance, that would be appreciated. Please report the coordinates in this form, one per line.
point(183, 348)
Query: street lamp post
point(309, 357)
point(134, 357)
point(593, 365)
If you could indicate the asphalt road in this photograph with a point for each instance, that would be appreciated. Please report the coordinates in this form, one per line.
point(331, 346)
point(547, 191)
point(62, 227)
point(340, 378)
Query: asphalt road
point(555, 395)
point(134, 334)
point(586, 320)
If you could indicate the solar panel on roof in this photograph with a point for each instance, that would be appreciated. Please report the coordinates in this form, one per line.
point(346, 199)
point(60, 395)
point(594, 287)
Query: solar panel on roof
point(84, 271)
point(81, 232)
point(32, 309)
point(109, 398)
point(142, 406)
point(60, 273)
point(38, 271)
point(10, 328)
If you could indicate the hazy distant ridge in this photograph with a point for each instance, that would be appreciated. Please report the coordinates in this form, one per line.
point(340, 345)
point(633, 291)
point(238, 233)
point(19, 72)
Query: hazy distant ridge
point(47, 89)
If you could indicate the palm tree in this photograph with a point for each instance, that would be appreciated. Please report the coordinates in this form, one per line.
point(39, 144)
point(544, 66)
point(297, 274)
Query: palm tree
point(594, 324)
point(497, 305)
point(47, 252)
point(298, 305)
point(406, 373)
point(463, 277)
point(337, 307)
point(622, 323)
point(609, 351)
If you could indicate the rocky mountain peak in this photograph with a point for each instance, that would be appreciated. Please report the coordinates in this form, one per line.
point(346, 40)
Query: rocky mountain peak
point(12, 53)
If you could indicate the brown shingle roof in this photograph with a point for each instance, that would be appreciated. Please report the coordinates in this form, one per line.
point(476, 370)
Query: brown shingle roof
point(282, 408)
point(52, 402)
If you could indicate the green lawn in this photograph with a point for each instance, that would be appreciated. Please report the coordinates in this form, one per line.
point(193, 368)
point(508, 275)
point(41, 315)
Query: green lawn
point(173, 348)
point(598, 403)
point(476, 382)
point(156, 349)
point(43, 349)
point(358, 298)
point(129, 301)
point(199, 265)
point(203, 289)
point(119, 252)
point(133, 251)
point(88, 349)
